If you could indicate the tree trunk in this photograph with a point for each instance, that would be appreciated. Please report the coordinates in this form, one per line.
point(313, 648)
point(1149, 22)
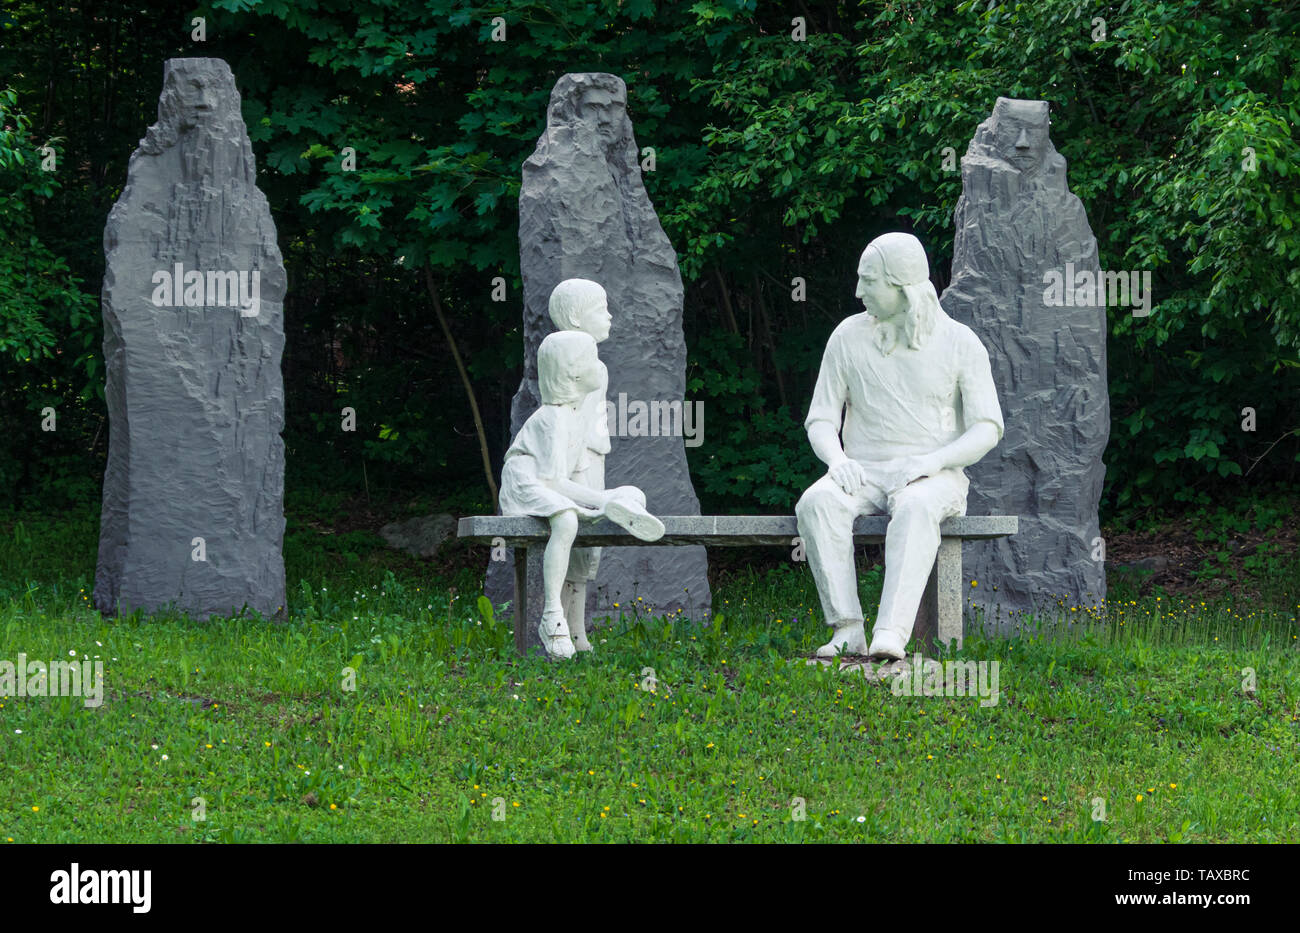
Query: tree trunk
point(464, 378)
point(726, 301)
point(770, 339)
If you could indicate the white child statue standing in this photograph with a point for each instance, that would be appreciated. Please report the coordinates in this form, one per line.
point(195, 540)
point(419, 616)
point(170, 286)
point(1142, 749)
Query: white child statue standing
point(543, 474)
point(904, 400)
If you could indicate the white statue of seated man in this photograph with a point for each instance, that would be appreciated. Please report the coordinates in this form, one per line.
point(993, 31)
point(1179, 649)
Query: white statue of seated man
point(904, 401)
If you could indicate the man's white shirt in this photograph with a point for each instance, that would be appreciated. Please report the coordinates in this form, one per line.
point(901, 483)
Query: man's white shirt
point(889, 400)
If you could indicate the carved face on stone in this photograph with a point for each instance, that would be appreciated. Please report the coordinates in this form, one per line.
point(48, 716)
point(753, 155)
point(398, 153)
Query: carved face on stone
point(882, 301)
point(198, 93)
point(596, 100)
point(1020, 133)
point(196, 97)
point(602, 107)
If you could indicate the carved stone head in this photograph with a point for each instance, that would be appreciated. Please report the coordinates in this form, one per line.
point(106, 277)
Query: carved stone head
point(595, 98)
point(1017, 133)
point(198, 93)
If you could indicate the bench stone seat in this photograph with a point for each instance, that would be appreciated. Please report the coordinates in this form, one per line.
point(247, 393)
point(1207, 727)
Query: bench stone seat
point(714, 530)
point(938, 621)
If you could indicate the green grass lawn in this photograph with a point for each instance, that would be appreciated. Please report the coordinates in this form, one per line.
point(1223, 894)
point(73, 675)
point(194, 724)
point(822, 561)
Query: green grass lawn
point(1143, 714)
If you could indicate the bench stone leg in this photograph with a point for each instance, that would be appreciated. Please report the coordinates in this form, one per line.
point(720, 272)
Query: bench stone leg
point(520, 609)
point(939, 617)
point(529, 596)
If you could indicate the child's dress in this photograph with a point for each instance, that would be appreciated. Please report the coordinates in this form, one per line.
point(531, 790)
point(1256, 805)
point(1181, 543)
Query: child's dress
point(550, 445)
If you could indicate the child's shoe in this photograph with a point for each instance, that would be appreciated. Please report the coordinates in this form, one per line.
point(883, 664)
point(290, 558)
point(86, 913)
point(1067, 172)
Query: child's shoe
point(554, 632)
point(626, 508)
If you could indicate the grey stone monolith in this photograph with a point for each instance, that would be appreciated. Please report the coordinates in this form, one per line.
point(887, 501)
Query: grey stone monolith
point(1019, 230)
point(194, 285)
point(584, 213)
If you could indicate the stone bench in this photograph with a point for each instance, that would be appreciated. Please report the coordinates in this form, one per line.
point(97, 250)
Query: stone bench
point(938, 621)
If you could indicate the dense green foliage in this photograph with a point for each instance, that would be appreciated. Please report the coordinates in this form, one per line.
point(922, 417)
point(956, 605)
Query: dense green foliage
point(47, 321)
point(775, 159)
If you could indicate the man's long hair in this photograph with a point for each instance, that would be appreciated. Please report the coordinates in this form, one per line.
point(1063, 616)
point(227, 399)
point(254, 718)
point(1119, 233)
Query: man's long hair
point(904, 264)
point(923, 311)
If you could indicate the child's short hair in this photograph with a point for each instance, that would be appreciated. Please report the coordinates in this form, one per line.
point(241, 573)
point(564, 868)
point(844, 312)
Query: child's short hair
point(561, 359)
point(570, 298)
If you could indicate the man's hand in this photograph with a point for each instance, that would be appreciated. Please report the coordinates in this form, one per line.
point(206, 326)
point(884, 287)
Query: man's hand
point(908, 469)
point(849, 475)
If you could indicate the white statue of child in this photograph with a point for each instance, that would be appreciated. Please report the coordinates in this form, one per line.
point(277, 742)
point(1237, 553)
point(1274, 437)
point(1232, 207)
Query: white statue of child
point(581, 305)
point(538, 475)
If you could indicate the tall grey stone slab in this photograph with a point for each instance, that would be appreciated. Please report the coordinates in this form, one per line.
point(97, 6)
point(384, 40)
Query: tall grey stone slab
point(195, 396)
point(584, 213)
point(1016, 224)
